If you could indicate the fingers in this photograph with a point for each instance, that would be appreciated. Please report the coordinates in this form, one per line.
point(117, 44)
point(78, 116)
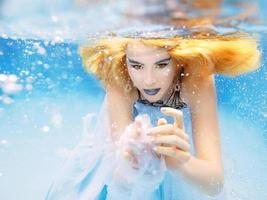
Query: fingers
point(180, 155)
point(163, 129)
point(176, 114)
point(138, 122)
point(172, 140)
point(129, 155)
point(162, 121)
point(136, 128)
point(168, 129)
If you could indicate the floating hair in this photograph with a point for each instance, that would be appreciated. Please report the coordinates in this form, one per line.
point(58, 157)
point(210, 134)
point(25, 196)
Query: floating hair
point(203, 53)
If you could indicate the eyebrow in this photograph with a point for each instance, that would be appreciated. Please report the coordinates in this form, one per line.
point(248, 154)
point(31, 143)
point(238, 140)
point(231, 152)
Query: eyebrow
point(164, 60)
point(134, 62)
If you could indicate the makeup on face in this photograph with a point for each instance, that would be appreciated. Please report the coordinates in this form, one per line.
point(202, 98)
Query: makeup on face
point(151, 70)
point(137, 65)
point(152, 92)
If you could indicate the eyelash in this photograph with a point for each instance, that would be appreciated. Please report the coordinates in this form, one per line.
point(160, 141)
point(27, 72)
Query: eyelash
point(136, 66)
point(162, 65)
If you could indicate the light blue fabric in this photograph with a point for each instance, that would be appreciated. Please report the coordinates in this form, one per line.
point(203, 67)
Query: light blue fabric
point(164, 192)
point(240, 163)
point(71, 188)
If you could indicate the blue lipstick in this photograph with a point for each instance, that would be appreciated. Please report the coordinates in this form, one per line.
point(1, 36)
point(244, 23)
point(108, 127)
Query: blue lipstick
point(152, 92)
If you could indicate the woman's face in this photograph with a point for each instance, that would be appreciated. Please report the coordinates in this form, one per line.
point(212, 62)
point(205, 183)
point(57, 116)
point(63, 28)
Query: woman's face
point(151, 70)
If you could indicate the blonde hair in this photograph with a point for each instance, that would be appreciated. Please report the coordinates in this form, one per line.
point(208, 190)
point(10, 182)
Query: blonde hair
point(204, 54)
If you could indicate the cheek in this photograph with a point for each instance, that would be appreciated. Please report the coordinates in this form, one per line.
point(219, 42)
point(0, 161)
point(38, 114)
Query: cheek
point(135, 77)
point(167, 75)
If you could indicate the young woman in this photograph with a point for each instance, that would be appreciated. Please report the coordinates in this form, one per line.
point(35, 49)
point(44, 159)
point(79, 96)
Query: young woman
point(142, 147)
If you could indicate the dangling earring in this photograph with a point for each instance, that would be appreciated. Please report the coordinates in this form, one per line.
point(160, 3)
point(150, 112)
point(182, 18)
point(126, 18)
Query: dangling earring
point(128, 87)
point(174, 99)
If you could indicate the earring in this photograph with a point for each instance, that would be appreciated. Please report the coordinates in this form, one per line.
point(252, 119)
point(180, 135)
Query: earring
point(174, 99)
point(128, 87)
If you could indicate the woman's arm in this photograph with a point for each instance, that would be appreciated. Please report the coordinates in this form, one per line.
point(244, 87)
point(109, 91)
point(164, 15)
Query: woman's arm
point(119, 109)
point(205, 168)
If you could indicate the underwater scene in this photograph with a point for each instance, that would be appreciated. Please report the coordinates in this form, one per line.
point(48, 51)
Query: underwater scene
point(47, 98)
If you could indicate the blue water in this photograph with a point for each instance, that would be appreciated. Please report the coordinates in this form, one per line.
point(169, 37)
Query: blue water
point(42, 121)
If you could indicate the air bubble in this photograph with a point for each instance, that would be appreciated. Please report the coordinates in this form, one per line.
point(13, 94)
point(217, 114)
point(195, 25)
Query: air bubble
point(45, 129)
point(3, 142)
point(29, 87)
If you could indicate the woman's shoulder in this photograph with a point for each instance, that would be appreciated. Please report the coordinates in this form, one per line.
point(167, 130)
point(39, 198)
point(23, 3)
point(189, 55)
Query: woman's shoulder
point(194, 86)
point(120, 107)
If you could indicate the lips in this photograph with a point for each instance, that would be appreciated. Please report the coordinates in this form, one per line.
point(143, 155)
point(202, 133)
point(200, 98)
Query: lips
point(152, 92)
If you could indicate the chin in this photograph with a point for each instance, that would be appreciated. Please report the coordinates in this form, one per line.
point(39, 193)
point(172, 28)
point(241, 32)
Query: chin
point(153, 98)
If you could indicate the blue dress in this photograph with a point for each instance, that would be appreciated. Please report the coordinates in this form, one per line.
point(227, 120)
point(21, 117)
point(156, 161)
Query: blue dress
point(84, 175)
point(76, 177)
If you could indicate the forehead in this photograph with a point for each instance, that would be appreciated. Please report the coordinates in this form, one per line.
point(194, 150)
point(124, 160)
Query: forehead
point(138, 49)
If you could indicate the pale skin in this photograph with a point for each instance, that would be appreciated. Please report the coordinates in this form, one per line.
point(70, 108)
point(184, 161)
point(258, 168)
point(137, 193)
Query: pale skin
point(150, 68)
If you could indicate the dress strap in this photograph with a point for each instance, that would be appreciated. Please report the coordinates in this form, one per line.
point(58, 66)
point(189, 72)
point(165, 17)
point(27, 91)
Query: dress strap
point(139, 94)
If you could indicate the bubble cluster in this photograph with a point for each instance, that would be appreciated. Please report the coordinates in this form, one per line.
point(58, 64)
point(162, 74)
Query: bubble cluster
point(9, 86)
point(57, 120)
point(45, 129)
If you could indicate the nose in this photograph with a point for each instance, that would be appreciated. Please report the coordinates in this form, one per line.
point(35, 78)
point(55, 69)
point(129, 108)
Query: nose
point(149, 79)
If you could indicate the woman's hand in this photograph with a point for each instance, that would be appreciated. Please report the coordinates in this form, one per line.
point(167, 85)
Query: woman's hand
point(134, 136)
point(171, 140)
